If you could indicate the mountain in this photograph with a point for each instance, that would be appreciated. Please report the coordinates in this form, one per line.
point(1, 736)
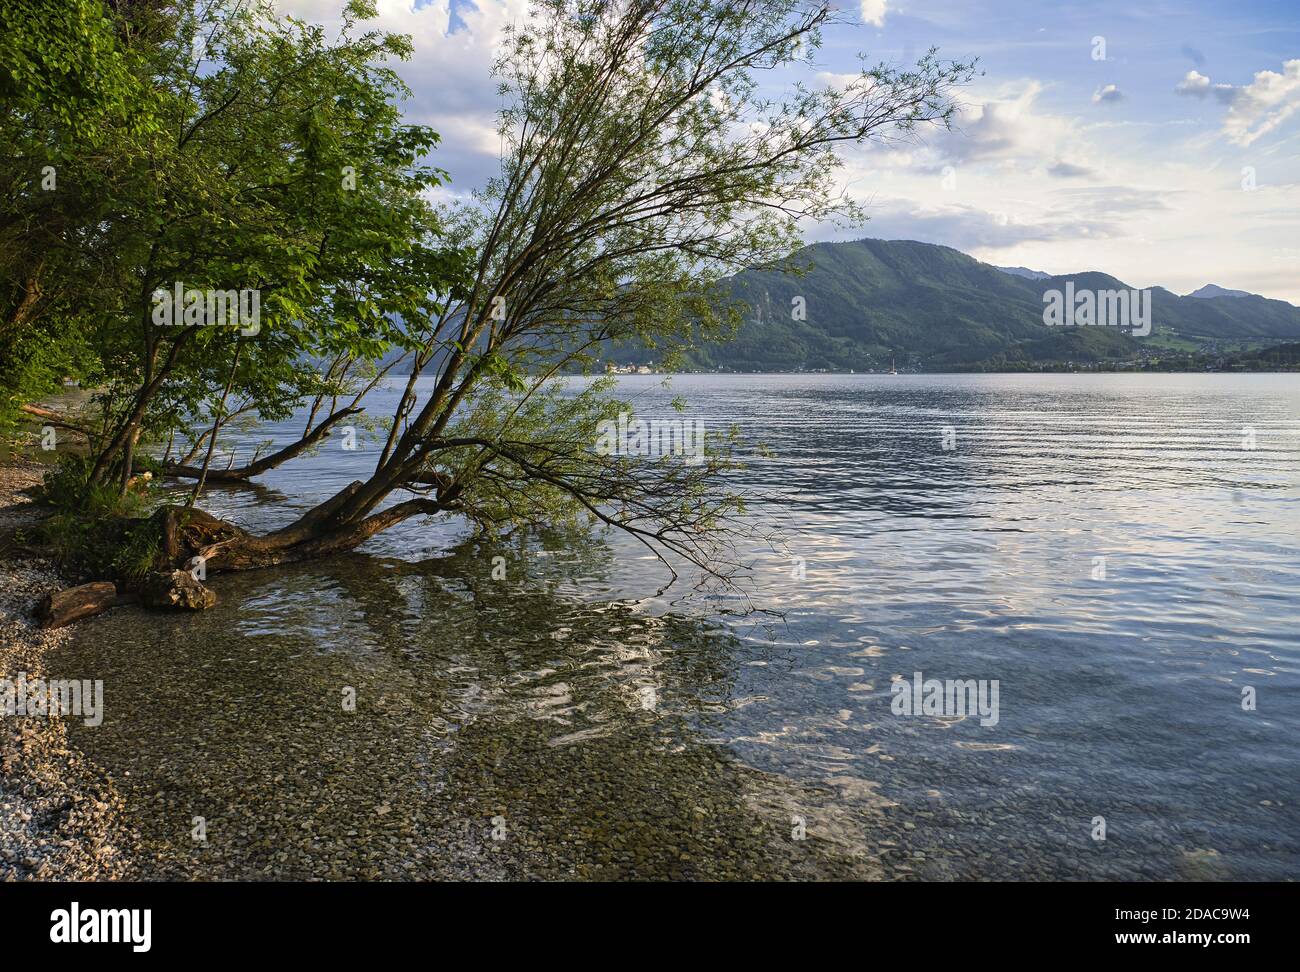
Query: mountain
point(929, 306)
point(934, 308)
point(1214, 290)
point(1024, 272)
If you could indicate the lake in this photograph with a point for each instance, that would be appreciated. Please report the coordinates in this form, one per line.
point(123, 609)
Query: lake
point(1118, 553)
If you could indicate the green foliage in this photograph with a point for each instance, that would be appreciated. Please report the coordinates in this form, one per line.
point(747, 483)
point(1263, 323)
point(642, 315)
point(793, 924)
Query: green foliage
point(218, 146)
point(138, 551)
point(93, 530)
point(1283, 357)
point(550, 427)
point(73, 106)
point(290, 172)
point(41, 357)
point(64, 58)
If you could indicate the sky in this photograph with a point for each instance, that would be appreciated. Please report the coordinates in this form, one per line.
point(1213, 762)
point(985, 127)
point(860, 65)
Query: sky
point(1155, 141)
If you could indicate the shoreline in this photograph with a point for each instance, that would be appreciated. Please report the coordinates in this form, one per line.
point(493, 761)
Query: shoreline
point(61, 818)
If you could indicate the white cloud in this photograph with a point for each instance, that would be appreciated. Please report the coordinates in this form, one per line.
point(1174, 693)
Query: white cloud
point(970, 227)
point(1264, 104)
point(1197, 85)
point(873, 12)
point(838, 81)
point(1254, 109)
point(1011, 132)
point(1193, 83)
point(1107, 95)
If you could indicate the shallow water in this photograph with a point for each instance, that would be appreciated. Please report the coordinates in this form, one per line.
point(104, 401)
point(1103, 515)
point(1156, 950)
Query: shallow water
point(599, 730)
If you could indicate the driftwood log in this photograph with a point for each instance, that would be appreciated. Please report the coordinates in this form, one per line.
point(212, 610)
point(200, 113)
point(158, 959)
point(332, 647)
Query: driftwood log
point(174, 590)
point(64, 607)
point(161, 590)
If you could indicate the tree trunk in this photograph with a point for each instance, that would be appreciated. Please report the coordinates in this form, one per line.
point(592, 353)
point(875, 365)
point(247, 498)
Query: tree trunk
point(188, 534)
point(32, 294)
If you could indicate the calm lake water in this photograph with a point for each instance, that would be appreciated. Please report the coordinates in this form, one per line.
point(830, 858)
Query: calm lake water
point(569, 722)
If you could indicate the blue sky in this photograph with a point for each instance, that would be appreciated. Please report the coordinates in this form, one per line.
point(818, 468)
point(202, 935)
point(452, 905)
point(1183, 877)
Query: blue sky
point(1166, 153)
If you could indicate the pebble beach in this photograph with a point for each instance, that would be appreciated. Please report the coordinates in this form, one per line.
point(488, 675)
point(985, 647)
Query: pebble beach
point(60, 818)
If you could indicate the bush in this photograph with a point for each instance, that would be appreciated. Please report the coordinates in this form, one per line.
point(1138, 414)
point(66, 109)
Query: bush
point(93, 530)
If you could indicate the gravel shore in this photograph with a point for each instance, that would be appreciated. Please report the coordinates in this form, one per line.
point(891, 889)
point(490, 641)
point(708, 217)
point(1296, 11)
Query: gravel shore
point(60, 818)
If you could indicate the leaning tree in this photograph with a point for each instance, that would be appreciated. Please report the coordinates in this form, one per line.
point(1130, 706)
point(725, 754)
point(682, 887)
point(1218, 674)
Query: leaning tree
point(645, 158)
point(651, 148)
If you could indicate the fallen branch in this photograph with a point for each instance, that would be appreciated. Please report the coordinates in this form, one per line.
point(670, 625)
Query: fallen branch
point(266, 463)
point(57, 419)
